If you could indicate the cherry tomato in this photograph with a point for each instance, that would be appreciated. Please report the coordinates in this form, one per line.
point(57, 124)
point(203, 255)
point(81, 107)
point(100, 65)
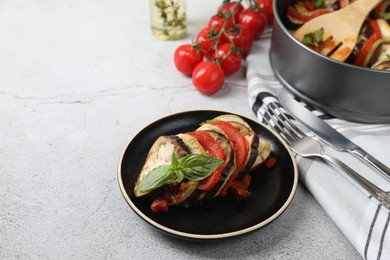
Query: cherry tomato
point(217, 22)
point(186, 57)
point(266, 7)
point(228, 7)
point(214, 150)
point(205, 39)
point(229, 58)
point(208, 77)
point(242, 37)
point(254, 19)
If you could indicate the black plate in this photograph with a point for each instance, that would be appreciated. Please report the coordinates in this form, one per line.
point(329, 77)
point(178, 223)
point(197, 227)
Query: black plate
point(272, 189)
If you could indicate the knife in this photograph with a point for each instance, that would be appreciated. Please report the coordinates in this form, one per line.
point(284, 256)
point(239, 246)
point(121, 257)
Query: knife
point(327, 133)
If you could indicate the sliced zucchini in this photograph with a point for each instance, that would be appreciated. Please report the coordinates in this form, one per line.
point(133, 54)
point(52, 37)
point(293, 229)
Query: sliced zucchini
point(232, 118)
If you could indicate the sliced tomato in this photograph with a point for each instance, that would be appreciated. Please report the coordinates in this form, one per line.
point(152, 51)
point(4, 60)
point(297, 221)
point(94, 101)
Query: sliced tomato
point(240, 147)
point(342, 3)
point(239, 188)
point(270, 162)
point(213, 149)
point(376, 35)
point(159, 205)
point(291, 11)
point(310, 6)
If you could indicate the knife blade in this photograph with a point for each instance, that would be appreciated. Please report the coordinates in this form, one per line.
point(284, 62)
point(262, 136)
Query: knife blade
point(328, 134)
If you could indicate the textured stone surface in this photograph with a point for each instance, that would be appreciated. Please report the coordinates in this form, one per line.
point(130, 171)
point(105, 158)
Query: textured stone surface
point(78, 79)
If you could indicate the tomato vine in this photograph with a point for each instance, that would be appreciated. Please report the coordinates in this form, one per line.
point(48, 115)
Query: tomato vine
point(224, 42)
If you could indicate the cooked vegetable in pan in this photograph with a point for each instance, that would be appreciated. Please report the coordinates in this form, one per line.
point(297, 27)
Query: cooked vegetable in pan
point(373, 46)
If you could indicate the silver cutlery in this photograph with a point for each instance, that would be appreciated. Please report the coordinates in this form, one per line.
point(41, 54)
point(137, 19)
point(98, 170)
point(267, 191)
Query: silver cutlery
point(328, 133)
point(303, 145)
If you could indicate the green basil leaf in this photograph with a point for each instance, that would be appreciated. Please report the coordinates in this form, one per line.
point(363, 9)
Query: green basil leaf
point(319, 3)
point(308, 39)
point(175, 162)
point(196, 167)
point(193, 167)
point(156, 178)
point(318, 35)
point(385, 15)
point(313, 38)
point(179, 175)
point(207, 122)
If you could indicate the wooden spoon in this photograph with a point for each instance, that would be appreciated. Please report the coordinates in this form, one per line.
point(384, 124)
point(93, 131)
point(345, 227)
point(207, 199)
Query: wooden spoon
point(341, 28)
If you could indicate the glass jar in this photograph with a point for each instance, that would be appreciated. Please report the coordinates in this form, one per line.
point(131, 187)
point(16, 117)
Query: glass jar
point(168, 19)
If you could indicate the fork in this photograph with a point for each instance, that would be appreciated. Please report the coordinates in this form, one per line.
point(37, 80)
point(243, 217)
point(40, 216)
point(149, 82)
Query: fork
point(305, 146)
point(341, 28)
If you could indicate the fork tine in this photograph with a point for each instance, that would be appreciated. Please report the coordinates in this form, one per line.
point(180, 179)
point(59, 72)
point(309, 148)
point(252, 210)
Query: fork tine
point(305, 146)
point(283, 117)
point(285, 124)
point(281, 123)
point(268, 118)
point(273, 116)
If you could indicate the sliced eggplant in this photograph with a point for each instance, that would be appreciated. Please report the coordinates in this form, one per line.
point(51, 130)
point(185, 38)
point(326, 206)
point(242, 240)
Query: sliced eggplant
point(371, 52)
point(252, 156)
point(250, 136)
point(380, 60)
point(194, 148)
point(263, 153)
point(252, 140)
point(185, 189)
point(364, 35)
point(230, 161)
point(191, 143)
point(376, 47)
point(382, 65)
point(160, 154)
point(259, 150)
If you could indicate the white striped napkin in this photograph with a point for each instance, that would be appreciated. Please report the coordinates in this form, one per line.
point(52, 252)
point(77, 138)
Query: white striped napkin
point(363, 221)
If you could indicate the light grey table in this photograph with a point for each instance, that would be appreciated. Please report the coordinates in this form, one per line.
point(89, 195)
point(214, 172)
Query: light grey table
point(78, 79)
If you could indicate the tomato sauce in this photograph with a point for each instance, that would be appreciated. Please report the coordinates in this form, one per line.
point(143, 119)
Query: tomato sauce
point(168, 196)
